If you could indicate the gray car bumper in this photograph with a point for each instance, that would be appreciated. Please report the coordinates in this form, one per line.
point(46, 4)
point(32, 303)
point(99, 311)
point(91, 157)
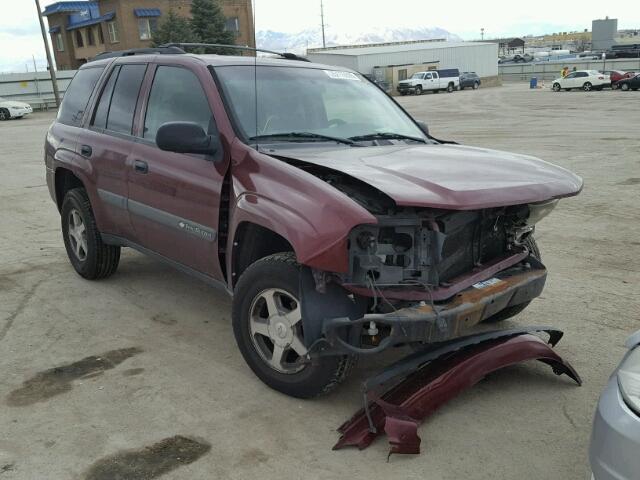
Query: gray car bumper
point(614, 453)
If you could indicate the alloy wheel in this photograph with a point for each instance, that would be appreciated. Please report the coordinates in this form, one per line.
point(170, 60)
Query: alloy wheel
point(276, 330)
point(77, 235)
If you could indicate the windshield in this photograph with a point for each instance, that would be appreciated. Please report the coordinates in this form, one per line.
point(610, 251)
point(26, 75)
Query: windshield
point(320, 102)
point(417, 75)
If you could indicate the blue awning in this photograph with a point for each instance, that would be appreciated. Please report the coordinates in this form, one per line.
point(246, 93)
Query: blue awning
point(68, 7)
point(146, 12)
point(55, 29)
point(93, 21)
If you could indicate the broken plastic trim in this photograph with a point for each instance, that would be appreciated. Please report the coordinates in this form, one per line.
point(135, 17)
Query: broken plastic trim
point(426, 380)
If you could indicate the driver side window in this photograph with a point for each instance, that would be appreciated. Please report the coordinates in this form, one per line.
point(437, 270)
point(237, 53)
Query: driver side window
point(427, 76)
point(176, 96)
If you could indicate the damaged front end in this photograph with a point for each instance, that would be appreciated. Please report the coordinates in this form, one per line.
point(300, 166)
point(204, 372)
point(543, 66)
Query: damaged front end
point(424, 276)
point(401, 396)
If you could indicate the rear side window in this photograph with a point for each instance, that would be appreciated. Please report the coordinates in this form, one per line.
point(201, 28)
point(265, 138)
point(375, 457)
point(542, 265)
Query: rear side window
point(117, 103)
point(77, 96)
point(124, 98)
point(176, 96)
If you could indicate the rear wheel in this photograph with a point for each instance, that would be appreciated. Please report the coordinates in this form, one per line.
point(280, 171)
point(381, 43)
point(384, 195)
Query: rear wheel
point(556, 87)
point(450, 88)
point(516, 309)
point(268, 327)
point(4, 114)
point(587, 86)
point(90, 257)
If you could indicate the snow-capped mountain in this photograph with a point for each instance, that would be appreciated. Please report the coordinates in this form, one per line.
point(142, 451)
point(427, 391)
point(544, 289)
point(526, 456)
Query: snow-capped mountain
point(312, 38)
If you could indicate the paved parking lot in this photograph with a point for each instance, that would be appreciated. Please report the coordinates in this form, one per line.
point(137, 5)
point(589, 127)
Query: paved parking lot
point(141, 371)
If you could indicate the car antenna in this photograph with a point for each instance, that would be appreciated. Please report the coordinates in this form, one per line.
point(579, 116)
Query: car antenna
point(255, 74)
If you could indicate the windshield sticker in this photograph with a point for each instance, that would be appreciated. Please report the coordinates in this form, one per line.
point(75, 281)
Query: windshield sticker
point(338, 75)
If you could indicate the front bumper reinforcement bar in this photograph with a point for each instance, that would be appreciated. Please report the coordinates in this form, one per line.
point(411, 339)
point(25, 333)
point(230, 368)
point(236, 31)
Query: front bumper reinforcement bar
point(401, 396)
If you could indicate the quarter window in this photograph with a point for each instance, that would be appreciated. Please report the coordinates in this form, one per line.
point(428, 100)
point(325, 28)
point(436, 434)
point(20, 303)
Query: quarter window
point(113, 32)
point(77, 96)
point(102, 110)
point(176, 96)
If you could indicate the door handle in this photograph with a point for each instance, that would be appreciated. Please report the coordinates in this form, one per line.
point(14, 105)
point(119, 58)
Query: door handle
point(140, 166)
point(85, 150)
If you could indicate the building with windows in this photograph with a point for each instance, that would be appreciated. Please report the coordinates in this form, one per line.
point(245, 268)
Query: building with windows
point(81, 29)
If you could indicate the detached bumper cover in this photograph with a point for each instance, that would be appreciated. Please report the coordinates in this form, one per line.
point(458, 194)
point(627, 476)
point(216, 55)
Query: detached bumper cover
point(426, 380)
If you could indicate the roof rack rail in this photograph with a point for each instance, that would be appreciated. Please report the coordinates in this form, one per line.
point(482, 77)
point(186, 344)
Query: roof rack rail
point(162, 50)
point(287, 55)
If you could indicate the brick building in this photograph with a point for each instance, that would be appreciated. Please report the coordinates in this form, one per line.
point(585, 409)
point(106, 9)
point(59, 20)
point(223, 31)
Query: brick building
point(81, 29)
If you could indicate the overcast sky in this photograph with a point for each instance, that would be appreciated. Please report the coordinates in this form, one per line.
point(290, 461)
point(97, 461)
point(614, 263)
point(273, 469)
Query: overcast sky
point(20, 37)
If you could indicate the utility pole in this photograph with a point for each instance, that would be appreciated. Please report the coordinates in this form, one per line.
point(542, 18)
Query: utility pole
point(482, 33)
point(324, 43)
point(52, 71)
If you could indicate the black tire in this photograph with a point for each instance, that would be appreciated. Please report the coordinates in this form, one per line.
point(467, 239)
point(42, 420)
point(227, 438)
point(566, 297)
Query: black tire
point(587, 86)
point(556, 87)
point(461, 87)
point(516, 309)
point(281, 271)
point(476, 85)
point(4, 114)
point(450, 88)
point(418, 90)
point(100, 260)
point(624, 87)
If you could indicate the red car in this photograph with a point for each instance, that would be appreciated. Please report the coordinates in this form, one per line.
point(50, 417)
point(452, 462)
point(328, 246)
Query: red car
point(337, 223)
point(617, 75)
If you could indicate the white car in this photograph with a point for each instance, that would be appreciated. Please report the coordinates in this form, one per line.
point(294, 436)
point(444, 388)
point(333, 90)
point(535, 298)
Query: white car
point(12, 109)
point(586, 80)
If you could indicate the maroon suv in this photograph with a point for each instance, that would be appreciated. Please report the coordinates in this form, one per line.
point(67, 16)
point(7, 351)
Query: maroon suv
point(338, 224)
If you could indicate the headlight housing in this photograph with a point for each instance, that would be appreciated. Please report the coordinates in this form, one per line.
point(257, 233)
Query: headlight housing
point(629, 379)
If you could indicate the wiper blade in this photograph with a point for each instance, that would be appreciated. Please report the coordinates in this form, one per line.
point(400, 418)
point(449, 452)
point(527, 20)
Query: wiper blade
point(303, 135)
point(387, 136)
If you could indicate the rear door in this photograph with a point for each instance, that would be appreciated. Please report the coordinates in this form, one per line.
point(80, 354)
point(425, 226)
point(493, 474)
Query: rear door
point(174, 198)
point(108, 142)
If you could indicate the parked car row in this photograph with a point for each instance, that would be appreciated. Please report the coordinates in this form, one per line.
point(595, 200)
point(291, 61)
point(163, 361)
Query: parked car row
point(588, 80)
point(439, 80)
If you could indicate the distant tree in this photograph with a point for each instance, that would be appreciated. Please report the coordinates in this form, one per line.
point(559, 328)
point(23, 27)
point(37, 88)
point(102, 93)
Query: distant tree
point(174, 29)
point(208, 23)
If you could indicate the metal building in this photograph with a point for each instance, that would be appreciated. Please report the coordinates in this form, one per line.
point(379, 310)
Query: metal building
point(603, 33)
point(393, 61)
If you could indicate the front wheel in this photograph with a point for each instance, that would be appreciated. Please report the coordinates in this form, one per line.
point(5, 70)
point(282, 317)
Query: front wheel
point(514, 310)
point(476, 85)
point(418, 90)
point(587, 86)
point(624, 87)
point(268, 327)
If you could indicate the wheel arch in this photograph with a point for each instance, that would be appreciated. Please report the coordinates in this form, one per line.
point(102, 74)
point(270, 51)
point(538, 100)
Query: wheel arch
point(251, 242)
point(65, 180)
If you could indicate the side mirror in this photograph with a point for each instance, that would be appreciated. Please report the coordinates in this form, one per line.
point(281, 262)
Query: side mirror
point(185, 137)
point(424, 127)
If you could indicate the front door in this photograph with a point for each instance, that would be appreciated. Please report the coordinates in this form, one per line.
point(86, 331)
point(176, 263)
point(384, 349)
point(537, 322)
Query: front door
point(174, 198)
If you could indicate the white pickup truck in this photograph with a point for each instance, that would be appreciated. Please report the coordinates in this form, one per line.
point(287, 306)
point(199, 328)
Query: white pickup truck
point(433, 81)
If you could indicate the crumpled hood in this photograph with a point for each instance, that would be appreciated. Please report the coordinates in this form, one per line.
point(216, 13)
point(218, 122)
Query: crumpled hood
point(445, 176)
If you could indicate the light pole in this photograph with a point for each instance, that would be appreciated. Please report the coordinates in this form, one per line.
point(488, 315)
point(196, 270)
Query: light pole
point(52, 71)
point(324, 43)
point(482, 33)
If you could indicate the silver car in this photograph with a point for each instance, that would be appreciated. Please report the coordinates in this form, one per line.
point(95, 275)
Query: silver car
point(615, 440)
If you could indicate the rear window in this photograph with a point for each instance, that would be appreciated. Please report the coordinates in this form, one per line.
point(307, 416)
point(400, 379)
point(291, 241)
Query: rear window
point(77, 96)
